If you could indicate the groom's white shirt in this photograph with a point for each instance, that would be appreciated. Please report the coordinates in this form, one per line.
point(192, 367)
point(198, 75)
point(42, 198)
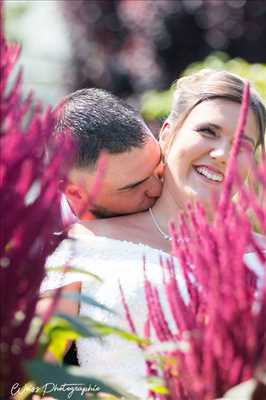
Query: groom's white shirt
point(67, 215)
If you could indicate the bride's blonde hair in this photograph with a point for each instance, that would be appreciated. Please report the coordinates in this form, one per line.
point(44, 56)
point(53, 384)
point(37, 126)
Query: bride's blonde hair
point(210, 84)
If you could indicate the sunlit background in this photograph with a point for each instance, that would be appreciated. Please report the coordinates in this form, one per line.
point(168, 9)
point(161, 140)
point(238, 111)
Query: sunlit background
point(132, 46)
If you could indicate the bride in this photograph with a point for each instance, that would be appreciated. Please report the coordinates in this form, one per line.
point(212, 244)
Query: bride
point(196, 140)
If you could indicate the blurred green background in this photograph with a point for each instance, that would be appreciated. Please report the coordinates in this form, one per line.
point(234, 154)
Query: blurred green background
point(135, 48)
point(156, 104)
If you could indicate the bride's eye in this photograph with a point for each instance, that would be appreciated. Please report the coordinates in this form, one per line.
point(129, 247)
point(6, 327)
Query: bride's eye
point(206, 131)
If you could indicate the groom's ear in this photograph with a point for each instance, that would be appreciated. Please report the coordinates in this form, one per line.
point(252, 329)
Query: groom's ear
point(76, 197)
point(72, 191)
point(165, 138)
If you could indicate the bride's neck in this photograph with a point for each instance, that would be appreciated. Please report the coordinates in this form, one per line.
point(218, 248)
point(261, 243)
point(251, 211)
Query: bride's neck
point(165, 210)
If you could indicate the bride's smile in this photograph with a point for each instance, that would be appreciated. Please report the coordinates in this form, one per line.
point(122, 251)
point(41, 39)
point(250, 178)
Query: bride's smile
point(207, 172)
point(198, 156)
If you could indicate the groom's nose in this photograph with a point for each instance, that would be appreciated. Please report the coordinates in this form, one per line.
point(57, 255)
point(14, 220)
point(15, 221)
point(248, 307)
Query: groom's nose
point(153, 187)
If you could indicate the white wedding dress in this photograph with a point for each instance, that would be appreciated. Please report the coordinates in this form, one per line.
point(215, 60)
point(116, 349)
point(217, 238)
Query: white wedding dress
point(115, 261)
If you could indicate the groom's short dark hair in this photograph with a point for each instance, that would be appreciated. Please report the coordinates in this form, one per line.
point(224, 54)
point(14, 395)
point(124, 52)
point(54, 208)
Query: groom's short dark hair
point(100, 121)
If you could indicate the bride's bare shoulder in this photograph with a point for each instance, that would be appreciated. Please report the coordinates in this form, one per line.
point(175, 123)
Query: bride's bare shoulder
point(98, 227)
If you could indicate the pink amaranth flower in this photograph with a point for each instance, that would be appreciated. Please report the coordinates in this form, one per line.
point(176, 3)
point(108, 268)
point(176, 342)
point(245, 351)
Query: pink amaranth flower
point(29, 203)
point(224, 321)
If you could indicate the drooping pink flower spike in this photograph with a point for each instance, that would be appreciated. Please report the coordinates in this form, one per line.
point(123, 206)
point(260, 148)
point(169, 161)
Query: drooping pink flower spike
point(29, 204)
point(223, 323)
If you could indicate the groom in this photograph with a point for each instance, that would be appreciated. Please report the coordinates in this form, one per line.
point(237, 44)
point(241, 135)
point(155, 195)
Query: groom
point(99, 121)
point(132, 183)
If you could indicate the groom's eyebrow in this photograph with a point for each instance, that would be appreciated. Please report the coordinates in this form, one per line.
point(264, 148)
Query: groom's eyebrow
point(132, 185)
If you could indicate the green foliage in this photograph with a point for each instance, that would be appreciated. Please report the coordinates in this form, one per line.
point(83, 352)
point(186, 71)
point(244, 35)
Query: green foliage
point(104, 330)
point(14, 12)
point(57, 333)
point(156, 105)
point(63, 328)
point(255, 73)
point(87, 300)
point(59, 330)
point(74, 270)
point(57, 381)
point(157, 385)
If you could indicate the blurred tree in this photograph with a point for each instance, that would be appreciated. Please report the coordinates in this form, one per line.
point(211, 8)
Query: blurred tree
point(156, 105)
point(129, 46)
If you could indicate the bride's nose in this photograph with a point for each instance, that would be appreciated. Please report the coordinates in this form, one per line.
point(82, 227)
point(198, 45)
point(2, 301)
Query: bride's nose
point(221, 152)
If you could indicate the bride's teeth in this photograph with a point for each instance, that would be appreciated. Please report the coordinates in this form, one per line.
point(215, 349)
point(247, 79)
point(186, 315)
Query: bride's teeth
point(210, 175)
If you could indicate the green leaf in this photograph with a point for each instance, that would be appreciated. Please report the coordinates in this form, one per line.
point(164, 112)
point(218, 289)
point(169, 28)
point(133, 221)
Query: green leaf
point(61, 329)
point(157, 385)
point(88, 327)
point(73, 270)
point(159, 389)
point(104, 330)
point(64, 322)
point(58, 382)
point(88, 300)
